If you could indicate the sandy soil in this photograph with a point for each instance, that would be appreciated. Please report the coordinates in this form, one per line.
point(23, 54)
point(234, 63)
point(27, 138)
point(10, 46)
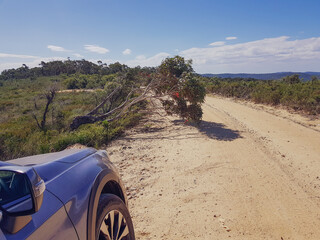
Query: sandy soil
point(78, 90)
point(248, 172)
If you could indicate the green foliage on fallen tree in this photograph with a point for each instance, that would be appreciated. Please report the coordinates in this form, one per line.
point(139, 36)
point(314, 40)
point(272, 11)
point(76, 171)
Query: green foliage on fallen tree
point(177, 80)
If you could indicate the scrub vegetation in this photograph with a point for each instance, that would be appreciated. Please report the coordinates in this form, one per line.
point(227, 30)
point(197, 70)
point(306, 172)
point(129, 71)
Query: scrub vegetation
point(290, 91)
point(61, 103)
point(23, 100)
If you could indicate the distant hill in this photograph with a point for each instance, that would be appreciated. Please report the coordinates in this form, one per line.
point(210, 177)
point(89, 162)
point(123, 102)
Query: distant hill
point(265, 76)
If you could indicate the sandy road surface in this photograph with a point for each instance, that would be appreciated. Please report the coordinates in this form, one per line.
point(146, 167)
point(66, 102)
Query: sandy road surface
point(247, 173)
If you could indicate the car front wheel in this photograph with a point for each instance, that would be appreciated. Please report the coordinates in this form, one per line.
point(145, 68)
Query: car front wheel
point(113, 219)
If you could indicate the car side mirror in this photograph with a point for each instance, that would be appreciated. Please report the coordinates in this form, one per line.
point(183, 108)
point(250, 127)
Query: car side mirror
point(21, 194)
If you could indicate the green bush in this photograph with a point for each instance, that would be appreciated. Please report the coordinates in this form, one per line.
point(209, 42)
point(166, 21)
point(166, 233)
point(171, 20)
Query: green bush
point(77, 81)
point(24, 142)
point(19, 134)
point(290, 91)
point(186, 91)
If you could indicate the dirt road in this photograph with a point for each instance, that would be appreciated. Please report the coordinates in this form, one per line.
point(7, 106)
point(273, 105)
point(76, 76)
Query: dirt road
point(249, 172)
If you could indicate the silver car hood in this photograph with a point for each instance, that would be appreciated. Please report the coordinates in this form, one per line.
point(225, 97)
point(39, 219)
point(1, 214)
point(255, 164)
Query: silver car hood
point(50, 165)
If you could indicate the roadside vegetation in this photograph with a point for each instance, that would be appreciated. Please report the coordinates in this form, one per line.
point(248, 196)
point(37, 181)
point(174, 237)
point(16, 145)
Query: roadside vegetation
point(60, 103)
point(38, 115)
point(290, 91)
point(21, 101)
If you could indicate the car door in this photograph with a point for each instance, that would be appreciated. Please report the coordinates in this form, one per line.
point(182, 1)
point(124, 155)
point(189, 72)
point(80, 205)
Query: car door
point(50, 222)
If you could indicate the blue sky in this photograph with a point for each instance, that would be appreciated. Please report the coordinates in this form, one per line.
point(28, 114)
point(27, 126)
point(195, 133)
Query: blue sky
point(253, 36)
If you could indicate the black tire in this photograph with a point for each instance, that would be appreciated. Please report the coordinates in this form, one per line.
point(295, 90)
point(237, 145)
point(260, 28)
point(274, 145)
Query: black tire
point(112, 207)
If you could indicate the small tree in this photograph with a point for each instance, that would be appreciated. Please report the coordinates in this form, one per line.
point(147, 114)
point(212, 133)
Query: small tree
point(179, 82)
point(292, 79)
point(49, 95)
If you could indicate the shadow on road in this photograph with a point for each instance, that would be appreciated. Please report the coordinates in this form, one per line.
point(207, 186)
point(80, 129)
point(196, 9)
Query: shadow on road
point(213, 130)
point(216, 131)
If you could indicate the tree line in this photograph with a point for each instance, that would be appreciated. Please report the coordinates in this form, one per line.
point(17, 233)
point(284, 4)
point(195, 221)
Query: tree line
point(68, 67)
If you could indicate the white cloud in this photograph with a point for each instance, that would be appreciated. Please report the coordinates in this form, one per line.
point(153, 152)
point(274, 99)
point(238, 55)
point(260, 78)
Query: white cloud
point(57, 48)
point(143, 61)
point(78, 55)
point(96, 49)
point(8, 55)
point(141, 57)
point(220, 43)
point(266, 55)
point(231, 38)
point(127, 52)
point(261, 56)
point(33, 62)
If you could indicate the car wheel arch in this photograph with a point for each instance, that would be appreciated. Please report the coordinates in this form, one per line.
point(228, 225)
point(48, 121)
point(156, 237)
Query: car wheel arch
point(113, 187)
point(106, 182)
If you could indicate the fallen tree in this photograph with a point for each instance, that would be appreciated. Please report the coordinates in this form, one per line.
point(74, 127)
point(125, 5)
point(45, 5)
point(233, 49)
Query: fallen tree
point(174, 84)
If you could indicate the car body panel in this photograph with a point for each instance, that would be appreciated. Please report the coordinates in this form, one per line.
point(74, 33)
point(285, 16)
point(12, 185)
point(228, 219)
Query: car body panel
point(77, 183)
point(63, 228)
point(51, 165)
point(75, 179)
point(51, 212)
point(68, 155)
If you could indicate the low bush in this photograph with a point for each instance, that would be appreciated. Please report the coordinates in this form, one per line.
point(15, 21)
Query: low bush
point(19, 134)
point(290, 91)
point(21, 143)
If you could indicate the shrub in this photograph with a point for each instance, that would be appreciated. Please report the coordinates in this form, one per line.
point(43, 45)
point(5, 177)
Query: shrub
point(290, 91)
point(176, 78)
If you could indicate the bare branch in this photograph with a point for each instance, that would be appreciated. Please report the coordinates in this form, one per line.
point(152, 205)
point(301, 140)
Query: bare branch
point(117, 108)
point(35, 104)
point(35, 117)
point(49, 95)
point(126, 107)
point(95, 110)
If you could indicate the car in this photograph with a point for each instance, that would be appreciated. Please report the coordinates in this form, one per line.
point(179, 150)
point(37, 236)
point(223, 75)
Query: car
point(72, 194)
